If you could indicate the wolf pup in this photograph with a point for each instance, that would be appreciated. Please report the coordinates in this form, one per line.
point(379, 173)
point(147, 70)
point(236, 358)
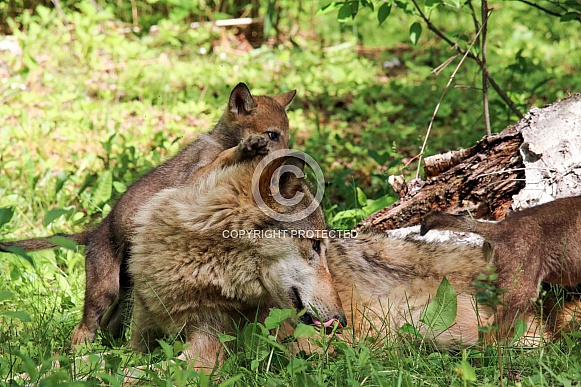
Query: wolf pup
point(195, 274)
point(108, 245)
point(541, 243)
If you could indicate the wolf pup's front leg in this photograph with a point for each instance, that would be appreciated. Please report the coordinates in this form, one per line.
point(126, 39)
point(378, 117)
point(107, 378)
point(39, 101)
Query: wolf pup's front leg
point(251, 147)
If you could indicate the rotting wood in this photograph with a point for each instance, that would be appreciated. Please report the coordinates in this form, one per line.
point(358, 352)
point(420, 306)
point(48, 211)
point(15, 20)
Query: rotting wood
point(481, 180)
point(491, 177)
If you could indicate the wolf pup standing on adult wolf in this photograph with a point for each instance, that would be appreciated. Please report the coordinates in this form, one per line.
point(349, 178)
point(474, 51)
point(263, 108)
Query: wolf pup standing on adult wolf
point(194, 275)
point(538, 244)
point(109, 243)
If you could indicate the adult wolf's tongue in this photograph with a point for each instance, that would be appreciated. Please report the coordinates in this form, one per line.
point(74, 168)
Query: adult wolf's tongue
point(327, 324)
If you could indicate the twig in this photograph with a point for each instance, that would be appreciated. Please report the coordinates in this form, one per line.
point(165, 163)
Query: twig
point(474, 19)
point(441, 67)
point(59, 9)
point(493, 83)
point(499, 91)
point(442, 97)
point(484, 13)
point(226, 22)
point(540, 8)
point(134, 14)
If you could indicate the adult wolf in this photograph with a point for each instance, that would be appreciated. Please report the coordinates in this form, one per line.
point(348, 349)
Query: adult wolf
point(108, 245)
point(194, 274)
point(386, 282)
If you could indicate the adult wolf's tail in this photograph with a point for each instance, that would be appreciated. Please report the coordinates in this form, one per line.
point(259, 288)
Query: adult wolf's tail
point(438, 220)
point(44, 243)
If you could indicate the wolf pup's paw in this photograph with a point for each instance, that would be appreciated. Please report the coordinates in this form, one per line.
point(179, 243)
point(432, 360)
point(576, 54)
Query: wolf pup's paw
point(252, 147)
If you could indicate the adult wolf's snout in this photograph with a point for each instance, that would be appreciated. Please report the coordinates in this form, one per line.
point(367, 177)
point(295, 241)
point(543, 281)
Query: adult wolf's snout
point(342, 320)
point(321, 310)
point(328, 323)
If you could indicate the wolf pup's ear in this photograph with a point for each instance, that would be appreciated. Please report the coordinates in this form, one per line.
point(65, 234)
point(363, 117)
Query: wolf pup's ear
point(241, 101)
point(285, 99)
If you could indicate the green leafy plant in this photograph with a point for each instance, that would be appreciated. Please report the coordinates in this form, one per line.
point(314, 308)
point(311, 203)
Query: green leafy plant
point(440, 313)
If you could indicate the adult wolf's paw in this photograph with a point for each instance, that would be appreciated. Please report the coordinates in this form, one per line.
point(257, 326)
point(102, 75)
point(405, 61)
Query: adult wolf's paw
point(252, 147)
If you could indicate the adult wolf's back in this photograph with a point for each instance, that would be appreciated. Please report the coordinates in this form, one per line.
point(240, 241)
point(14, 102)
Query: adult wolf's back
point(108, 245)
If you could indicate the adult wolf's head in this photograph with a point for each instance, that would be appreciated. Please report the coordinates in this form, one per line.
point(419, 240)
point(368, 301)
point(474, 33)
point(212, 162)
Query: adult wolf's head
point(268, 211)
point(205, 256)
point(207, 248)
point(297, 275)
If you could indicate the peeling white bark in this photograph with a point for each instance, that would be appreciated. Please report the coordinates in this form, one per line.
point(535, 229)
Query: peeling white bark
point(436, 236)
point(551, 153)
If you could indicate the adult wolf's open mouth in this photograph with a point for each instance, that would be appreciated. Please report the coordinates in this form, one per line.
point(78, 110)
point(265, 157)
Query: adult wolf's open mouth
point(309, 318)
point(328, 325)
point(296, 299)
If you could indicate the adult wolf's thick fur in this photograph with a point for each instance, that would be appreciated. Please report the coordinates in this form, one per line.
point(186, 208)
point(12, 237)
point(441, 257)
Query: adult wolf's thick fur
point(192, 278)
point(385, 282)
point(108, 245)
point(538, 244)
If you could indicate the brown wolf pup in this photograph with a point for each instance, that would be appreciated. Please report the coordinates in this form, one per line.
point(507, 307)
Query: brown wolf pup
point(108, 245)
point(385, 282)
point(538, 244)
point(193, 276)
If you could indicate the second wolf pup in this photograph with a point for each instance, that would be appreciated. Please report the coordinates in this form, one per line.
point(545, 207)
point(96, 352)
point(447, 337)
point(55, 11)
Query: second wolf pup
point(192, 277)
point(538, 244)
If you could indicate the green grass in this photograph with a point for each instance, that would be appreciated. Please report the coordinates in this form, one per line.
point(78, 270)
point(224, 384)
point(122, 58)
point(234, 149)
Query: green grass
point(85, 110)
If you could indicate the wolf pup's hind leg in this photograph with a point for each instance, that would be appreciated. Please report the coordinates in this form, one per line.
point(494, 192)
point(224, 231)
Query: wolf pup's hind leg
point(102, 266)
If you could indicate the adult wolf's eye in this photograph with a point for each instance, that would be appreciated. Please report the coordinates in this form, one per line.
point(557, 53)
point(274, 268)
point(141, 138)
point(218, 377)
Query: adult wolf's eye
point(317, 246)
point(273, 136)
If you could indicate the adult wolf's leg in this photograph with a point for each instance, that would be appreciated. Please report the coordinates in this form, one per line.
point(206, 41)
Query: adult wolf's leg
point(206, 350)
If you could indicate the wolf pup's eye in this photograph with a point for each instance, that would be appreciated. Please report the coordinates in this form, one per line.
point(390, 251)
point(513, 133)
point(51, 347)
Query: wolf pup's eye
point(273, 136)
point(316, 246)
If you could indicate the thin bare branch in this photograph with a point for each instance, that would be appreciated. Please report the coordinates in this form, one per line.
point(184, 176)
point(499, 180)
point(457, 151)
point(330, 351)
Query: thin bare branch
point(441, 67)
point(553, 13)
point(493, 83)
point(442, 98)
point(485, 15)
point(474, 19)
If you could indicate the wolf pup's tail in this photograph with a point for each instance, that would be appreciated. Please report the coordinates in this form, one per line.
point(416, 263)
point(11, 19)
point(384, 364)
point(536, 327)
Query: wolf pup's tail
point(440, 221)
point(51, 242)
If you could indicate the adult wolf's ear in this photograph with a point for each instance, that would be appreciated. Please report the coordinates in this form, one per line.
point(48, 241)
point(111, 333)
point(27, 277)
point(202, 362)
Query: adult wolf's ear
point(283, 176)
point(290, 175)
point(241, 101)
point(285, 99)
